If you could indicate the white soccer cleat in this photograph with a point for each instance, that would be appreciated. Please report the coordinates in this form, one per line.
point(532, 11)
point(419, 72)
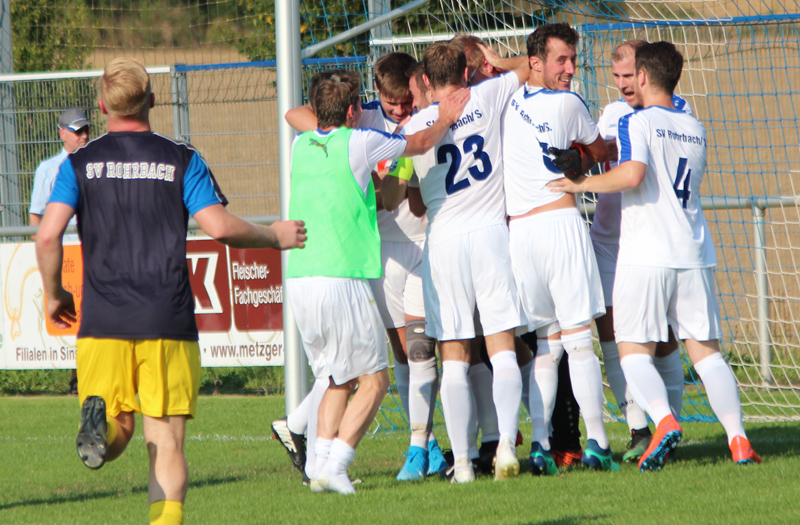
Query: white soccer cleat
point(463, 472)
point(506, 464)
point(318, 485)
point(341, 484)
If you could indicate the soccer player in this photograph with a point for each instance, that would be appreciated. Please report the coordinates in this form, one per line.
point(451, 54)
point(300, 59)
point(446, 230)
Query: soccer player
point(466, 261)
point(398, 291)
point(605, 240)
point(133, 192)
point(551, 254)
point(666, 254)
point(327, 284)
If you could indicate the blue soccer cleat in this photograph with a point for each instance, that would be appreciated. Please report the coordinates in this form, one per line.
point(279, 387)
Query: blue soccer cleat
point(598, 458)
point(541, 461)
point(416, 466)
point(436, 462)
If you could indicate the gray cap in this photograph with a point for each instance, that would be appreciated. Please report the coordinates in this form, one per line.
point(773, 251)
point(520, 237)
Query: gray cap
point(73, 119)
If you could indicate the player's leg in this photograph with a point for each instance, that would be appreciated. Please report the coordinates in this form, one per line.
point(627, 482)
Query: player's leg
point(454, 390)
point(668, 363)
point(639, 321)
point(169, 473)
point(290, 431)
point(565, 435)
point(317, 391)
point(696, 320)
point(606, 256)
point(484, 413)
point(543, 387)
point(507, 395)
point(168, 385)
point(107, 398)
point(525, 361)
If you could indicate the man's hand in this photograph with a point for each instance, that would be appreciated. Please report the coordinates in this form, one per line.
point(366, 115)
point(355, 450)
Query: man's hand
point(490, 55)
point(566, 186)
point(569, 161)
point(289, 234)
point(61, 310)
point(450, 108)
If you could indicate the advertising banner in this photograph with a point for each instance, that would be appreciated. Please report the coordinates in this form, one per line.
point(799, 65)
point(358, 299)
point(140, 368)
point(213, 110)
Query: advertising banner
point(238, 301)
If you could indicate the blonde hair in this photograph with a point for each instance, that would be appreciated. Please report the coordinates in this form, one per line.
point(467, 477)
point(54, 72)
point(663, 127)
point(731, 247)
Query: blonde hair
point(125, 88)
point(626, 49)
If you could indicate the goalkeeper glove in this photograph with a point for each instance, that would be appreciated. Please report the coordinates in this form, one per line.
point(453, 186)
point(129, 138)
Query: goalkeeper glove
point(569, 161)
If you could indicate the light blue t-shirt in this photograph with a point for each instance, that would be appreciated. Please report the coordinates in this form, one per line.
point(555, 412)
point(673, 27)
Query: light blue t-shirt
point(43, 182)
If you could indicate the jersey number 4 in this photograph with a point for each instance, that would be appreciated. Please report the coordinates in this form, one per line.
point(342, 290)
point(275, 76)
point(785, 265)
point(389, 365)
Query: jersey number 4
point(450, 154)
point(682, 179)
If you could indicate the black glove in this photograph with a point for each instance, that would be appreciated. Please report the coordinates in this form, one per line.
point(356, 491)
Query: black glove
point(569, 161)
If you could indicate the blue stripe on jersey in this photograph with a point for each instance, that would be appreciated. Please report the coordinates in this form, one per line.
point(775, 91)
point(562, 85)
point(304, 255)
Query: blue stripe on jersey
point(623, 134)
point(375, 104)
point(386, 134)
point(65, 190)
point(546, 91)
point(198, 191)
point(678, 102)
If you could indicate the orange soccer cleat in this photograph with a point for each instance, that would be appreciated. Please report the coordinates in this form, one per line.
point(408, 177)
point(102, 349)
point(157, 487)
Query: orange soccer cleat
point(667, 436)
point(742, 452)
point(567, 458)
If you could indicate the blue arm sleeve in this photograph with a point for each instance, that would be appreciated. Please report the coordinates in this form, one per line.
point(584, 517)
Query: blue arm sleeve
point(198, 189)
point(66, 189)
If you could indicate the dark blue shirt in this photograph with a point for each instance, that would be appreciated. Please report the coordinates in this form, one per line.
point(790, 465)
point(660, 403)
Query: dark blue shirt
point(133, 193)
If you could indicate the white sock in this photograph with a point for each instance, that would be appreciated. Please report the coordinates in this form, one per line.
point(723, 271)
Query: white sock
point(543, 387)
point(340, 457)
point(297, 420)
point(587, 383)
point(401, 373)
point(472, 429)
point(480, 380)
point(525, 373)
point(646, 385)
point(455, 391)
point(423, 386)
point(507, 393)
point(671, 370)
point(317, 391)
point(723, 393)
point(323, 449)
point(633, 414)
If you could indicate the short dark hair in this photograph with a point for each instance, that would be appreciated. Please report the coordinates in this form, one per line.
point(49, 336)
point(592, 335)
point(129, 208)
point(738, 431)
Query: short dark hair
point(444, 64)
point(334, 95)
point(312, 88)
point(416, 72)
point(390, 75)
point(663, 64)
point(537, 41)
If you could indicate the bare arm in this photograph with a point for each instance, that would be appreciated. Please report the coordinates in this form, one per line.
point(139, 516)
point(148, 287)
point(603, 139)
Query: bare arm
point(415, 203)
point(50, 256)
point(598, 151)
point(626, 176)
point(229, 229)
point(302, 118)
point(519, 65)
point(449, 111)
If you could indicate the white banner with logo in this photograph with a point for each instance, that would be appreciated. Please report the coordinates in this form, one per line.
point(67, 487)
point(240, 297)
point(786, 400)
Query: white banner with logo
point(237, 294)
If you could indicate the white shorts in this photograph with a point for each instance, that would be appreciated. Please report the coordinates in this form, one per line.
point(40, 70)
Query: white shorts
point(606, 255)
point(340, 326)
point(647, 299)
point(465, 271)
point(399, 291)
point(555, 269)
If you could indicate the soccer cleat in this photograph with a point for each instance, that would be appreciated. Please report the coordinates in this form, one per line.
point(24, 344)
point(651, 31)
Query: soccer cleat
point(91, 441)
point(598, 458)
point(520, 440)
point(567, 458)
point(340, 483)
point(640, 440)
point(416, 466)
point(486, 457)
point(742, 452)
point(667, 436)
point(295, 444)
point(436, 461)
point(506, 464)
point(541, 461)
point(462, 471)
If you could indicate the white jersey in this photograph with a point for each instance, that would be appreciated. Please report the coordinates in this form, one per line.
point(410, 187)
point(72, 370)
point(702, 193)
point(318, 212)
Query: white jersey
point(461, 178)
point(662, 221)
point(605, 225)
point(537, 119)
point(399, 225)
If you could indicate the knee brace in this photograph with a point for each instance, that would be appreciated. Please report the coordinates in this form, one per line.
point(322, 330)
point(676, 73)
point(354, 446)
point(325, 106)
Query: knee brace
point(420, 347)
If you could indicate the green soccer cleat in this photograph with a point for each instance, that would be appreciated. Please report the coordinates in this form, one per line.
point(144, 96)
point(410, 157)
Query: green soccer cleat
point(598, 458)
point(640, 440)
point(541, 461)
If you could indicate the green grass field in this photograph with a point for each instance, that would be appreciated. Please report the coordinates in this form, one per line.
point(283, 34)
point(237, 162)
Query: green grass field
point(241, 476)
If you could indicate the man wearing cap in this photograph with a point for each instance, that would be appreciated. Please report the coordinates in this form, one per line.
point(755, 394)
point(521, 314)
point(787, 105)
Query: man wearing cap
point(73, 128)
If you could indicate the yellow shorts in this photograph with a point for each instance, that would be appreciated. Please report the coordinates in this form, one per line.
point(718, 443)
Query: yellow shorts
point(165, 374)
